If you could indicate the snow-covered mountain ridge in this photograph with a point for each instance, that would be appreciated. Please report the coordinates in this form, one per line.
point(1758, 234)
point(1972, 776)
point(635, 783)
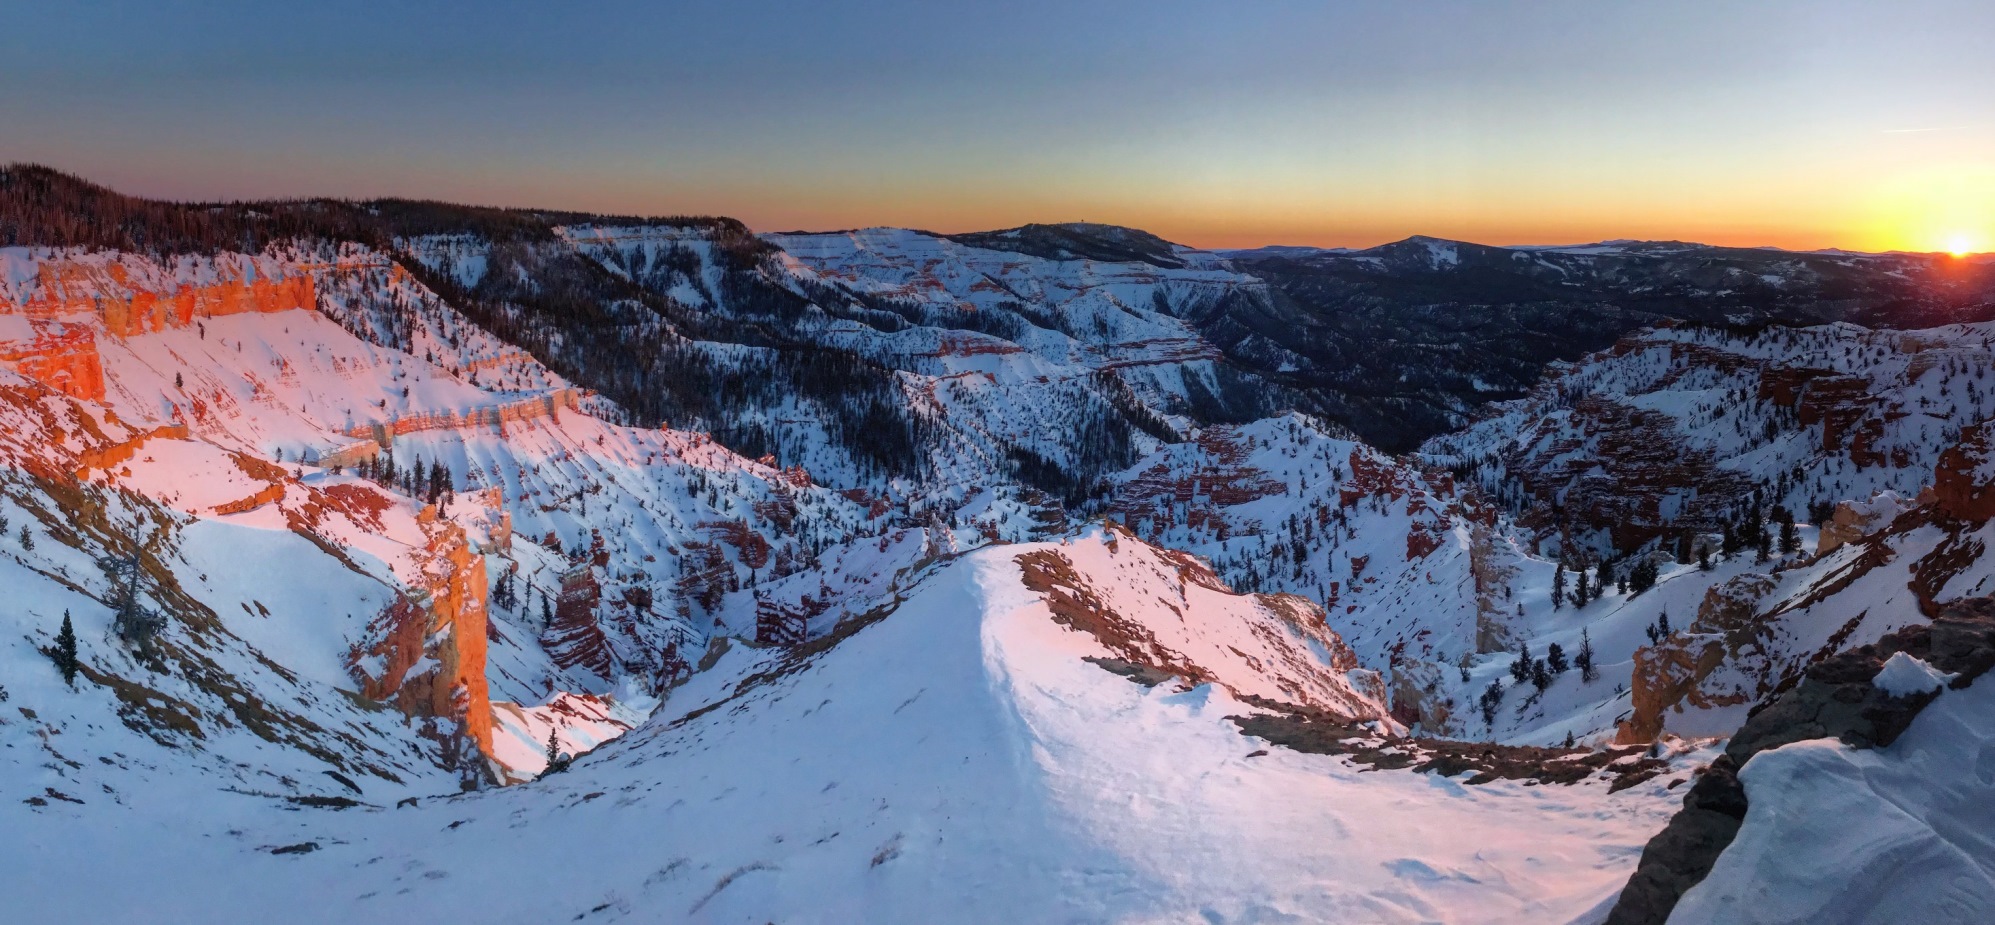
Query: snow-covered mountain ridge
point(389, 509)
point(1008, 779)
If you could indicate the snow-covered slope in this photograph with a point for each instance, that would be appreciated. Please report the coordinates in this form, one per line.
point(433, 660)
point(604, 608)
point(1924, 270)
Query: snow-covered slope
point(1675, 439)
point(1892, 836)
point(332, 396)
point(961, 635)
point(1686, 427)
point(956, 757)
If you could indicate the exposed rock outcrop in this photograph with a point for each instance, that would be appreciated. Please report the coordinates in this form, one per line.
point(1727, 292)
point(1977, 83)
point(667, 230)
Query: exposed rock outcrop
point(538, 407)
point(575, 639)
point(426, 652)
point(61, 356)
point(1854, 520)
point(1964, 480)
point(1835, 699)
point(1172, 616)
point(1728, 630)
point(131, 303)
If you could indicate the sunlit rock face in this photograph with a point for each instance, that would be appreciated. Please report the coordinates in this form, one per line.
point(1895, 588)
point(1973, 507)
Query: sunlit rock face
point(61, 305)
point(425, 653)
point(1854, 520)
point(1684, 670)
point(1964, 482)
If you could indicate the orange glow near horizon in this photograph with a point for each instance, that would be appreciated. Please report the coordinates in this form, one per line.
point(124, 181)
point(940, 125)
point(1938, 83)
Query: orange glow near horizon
point(1784, 124)
point(1933, 199)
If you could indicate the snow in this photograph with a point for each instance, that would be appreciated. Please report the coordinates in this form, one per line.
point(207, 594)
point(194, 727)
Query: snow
point(1903, 835)
point(1906, 676)
point(958, 761)
point(305, 609)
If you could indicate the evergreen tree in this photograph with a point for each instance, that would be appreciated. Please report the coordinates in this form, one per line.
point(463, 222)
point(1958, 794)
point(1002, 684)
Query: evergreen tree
point(1555, 658)
point(1520, 670)
point(1584, 659)
point(1752, 532)
point(27, 539)
point(134, 622)
point(1541, 677)
point(1642, 577)
point(1790, 538)
point(1491, 699)
point(63, 653)
point(553, 747)
point(1559, 587)
point(1662, 624)
point(1703, 558)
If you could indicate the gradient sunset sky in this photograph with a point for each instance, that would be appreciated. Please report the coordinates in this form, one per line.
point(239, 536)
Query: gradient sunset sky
point(1790, 123)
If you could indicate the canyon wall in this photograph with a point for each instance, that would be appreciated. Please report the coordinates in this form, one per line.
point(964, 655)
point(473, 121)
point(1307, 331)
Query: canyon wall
point(425, 653)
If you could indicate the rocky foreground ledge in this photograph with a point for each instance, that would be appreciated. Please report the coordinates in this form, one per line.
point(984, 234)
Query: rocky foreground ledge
point(1838, 697)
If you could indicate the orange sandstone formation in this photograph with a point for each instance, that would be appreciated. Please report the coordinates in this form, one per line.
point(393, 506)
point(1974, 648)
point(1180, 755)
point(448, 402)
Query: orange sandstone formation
point(427, 649)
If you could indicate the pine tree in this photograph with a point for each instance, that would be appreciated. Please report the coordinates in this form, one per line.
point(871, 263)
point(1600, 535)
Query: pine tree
point(1491, 699)
point(1754, 532)
point(134, 622)
point(1584, 660)
point(1555, 659)
point(63, 653)
point(1662, 625)
point(1790, 539)
point(553, 747)
point(1541, 677)
point(1703, 558)
point(1520, 670)
point(1559, 587)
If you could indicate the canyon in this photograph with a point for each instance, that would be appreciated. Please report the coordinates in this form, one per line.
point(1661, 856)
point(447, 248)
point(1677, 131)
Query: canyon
point(1060, 567)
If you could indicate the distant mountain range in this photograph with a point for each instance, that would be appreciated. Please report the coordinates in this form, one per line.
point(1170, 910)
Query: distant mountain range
point(1039, 574)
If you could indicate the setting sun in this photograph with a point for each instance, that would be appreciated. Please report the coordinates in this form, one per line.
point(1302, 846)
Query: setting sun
point(1960, 245)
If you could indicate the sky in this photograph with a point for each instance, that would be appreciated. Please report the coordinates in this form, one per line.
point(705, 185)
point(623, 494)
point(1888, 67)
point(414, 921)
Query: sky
point(1790, 123)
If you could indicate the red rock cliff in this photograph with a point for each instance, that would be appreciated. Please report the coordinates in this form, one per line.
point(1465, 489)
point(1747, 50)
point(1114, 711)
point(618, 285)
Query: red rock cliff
point(427, 649)
point(62, 357)
point(1964, 480)
point(129, 306)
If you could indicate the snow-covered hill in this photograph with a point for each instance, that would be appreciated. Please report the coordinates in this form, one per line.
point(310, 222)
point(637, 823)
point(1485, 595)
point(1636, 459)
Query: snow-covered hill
point(967, 752)
point(879, 572)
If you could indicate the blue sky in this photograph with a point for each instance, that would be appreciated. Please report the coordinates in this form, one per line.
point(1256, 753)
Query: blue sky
point(1791, 123)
